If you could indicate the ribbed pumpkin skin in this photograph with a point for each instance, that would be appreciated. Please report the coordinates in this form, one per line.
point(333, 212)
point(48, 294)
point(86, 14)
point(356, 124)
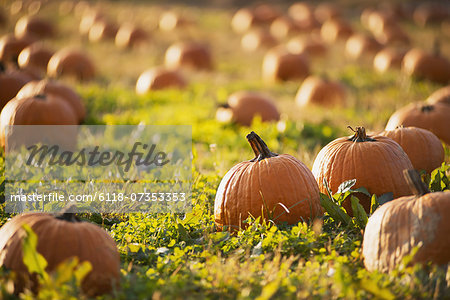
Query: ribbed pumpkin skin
point(433, 117)
point(400, 225)
point(59, 240)
point(424, 149)
point(376, 165)
point(279, 179)
point(442, 95)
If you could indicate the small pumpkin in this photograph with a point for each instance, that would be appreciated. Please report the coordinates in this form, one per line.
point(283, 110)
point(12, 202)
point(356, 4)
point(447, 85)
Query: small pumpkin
point(393, 35)
point(433, 117)
point(256, 39)
point(35, 56)
point(102, 30)
point(421, 64)
point(430, 12)
point(10, 47)
point(283, 27)
point(59, 238)
point(159, 78)
point(376, 162)
point(442, 95)
point(189, 54)
point(243, 106)
point(170, 20)
point(267, 184)
point(45, 87)
point(89, 18)
point(131, 36)
point(10, 83)
point(303, 15)
point(326, 11)
point(246, 18)
point(70, 62)
point(335, 29)
point(313, 46)
point(34, 27)
point(377, 21)
point(38, 110)
point(387, 59)
point(359, 45)
point(281, 65)
point(320, 91)
point(399, 226)
point(424, 149)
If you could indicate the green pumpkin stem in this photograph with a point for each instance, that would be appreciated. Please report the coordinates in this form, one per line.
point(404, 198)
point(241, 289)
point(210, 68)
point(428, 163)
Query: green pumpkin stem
point(360, 135)
point(259, 147)
point(417, 186)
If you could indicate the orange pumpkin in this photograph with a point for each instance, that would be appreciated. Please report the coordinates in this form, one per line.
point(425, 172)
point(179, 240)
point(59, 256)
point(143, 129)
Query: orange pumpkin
point(38, 110)
point(320, 91)
point(392, 34)
point(326, 11)
point(102, 30)
point(10, 83)
point(70, 62)
point(256, 39)
point(424, 149)
point(35, 56)
point(244, 106)
point(433, 117)
point(430, 12)
point(313, 46)
point(46, 87)
point(421, 64)
point(189, 54)
point(401, 225)
point(376, 162)
point(159, 78)
point(281, 65)
point(442, 95)
point(34, 27)
point(10, 47)
point(246, 18)
point(89, 18)
point(58, 239)
point(283, 27)
point(303, 15)
point(170, 20)
point(387, 59)
point(131, 36)
point(335, 29)
point(264, 186)
point(359, 45)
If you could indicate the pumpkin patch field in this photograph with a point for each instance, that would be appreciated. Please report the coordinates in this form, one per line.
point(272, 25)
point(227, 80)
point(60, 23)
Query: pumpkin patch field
point(320, 147)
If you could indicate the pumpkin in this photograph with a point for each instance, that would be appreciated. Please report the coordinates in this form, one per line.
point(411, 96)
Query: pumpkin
point(130, 36)
point(159, 78)
point(246, 18)
point(3, 17)
point(34, 27)
point(170, 20)
point(102, 30)
point(313, 46)
point(35, 56)
point(281, 65)
point(256, 39)
point(283, 27)
point(243, 106)
point(58, 239)
point(421, 64)
point(359, 45)
point(442, 95)
point(392, 34)
point(89, 18)
point(38, 110)
point(433, 117)
point(70, 62)
point(378, 21)
point(189, 54)
point(427, 13)
point(303, 15)
point(399, 226)
point(326, 11)
point(45, 87)
point(424, 149)
point(264, 186)
point(320, 91)
point(10, 83)
point(388, 58)
point(10, 47)
point(266, 13)
point(334, 30)
point(376, 162)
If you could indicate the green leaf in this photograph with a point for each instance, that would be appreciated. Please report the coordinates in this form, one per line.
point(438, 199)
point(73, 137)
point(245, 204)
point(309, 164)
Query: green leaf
point(385, 198)
point(373, 203)
point(360, 215)
point(32, 259)
point(346, 186)
point(334, 210)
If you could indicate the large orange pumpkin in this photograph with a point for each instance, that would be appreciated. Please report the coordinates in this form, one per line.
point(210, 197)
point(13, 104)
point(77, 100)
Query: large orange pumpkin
point(69, 62)
point(376, 162)
point(262, 186)
point(281, 65)
point(320, 91)
point(60, 238)
point(399, 226)
point(45, 87)
point(244, 106)
point(424, 149)
point(442, 95)
point(189, 54)
point(159, 78)
point(433, 117)
point(421, 64)
point(10, 83)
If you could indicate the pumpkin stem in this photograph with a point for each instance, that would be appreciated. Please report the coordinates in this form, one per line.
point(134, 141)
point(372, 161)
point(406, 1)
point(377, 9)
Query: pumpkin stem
point(68, 214)
point(360, 135)
point(427, 108)
point(223, 105)
point(40, 96)
point(417, 186)
point(259, 147)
